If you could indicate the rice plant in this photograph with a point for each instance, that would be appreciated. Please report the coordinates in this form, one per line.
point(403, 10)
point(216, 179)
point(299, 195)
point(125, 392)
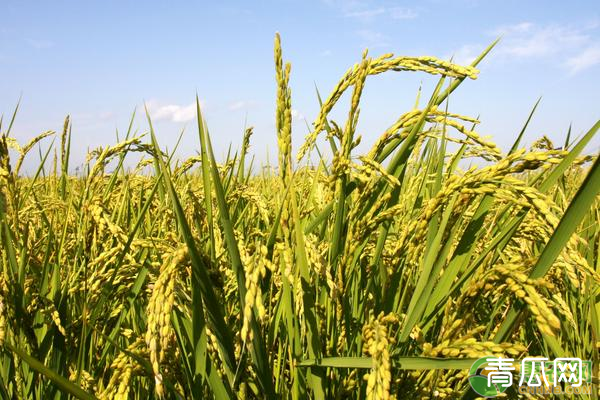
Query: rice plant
point(361, 276)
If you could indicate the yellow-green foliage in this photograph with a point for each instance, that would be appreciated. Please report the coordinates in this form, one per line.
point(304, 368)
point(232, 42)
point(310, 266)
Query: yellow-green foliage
point(377, 276)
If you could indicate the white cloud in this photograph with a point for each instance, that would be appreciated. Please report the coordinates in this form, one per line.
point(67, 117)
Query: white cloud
point(326, 53)
point(297, 115)
point(241, 105)
point(367, 11)
point(586, 59)
point(172, 112)
point(237, 105)
point(373, 38)
point(365, 14)
point(466, 54)
point(572, 47)
point(402, 13)
point(531, 40)
point(521, 27)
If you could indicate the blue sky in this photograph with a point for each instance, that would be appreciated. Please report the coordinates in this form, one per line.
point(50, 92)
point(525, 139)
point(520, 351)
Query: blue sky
point(97, 61)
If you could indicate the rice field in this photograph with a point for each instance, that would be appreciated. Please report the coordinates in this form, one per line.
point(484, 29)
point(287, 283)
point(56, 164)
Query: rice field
point(357, 276)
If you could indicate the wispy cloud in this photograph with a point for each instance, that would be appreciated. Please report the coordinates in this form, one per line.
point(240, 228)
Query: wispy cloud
point(237, 105)
point(531, 40)
point(402, 13)
point(587, 58)
point(367, 11)
point(172, 112)
point(365, 14)
point(465, 54)
point(573, 47)
point(373, 38)
point(40, 43)
point(396, 13)
point(241, 105)
point(297, 115)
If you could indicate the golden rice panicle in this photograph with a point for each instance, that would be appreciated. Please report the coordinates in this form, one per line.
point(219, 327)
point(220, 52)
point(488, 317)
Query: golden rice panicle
point(445, 118)
point(511, 276)
point(247, 313)
point(53, 312)
point(250, 194)
point(349, 383)
point(5, 173)
point(3, 310)
point(27, 148)
point(470, 346)
point(543, 143)
point(561, 305)
point(381, 64)
point(83, 378)
point(284, 111)
point(527, 290)
point(326, 107)
point(359, 84)
point(102, 219)
point(431, 65)
point(4, 156)
point(63, 140)
point(255, 269)
point(376, 344)
point(212, 344)
point(122, 369)
point(246, 139)
point(405, 120)
point(316, 253)
point(160, 305)
point(186, 165)
point(18, 371)
point(103, 155)
point(2, 321)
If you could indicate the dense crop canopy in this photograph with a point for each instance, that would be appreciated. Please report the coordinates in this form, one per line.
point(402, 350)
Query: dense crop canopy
point(374, 276)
